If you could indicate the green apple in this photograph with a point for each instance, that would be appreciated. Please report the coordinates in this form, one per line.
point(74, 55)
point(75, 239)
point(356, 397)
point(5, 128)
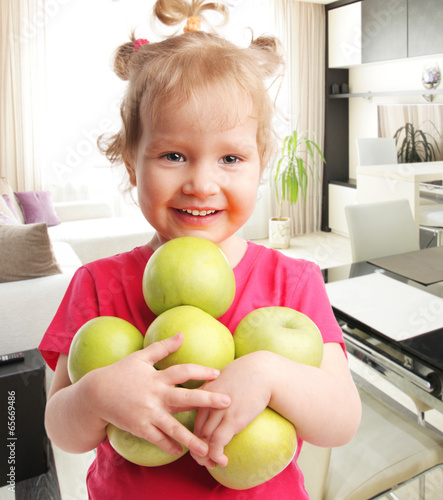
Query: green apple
point(258, 453)
point(189, 271)
point(100, 342)
point(141, 452)
point(206, 342)
point(282, 330)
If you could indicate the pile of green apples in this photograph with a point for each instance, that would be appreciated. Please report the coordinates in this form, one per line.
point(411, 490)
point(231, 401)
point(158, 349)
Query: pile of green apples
point(189, 284)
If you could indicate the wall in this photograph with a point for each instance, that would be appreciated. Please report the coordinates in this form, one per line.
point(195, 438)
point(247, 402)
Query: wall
point(378, 77)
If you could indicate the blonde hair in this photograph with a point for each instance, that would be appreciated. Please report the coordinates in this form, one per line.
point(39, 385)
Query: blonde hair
point(196, 67)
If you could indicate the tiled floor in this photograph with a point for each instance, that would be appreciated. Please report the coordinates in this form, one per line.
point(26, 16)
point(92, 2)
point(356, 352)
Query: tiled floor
point(327, 250)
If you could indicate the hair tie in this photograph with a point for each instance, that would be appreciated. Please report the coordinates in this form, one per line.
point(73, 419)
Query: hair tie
point(193, 24)
point(138, 43)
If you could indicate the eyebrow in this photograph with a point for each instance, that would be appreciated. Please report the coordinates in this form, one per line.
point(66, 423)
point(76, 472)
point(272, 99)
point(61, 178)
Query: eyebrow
point(161, 143)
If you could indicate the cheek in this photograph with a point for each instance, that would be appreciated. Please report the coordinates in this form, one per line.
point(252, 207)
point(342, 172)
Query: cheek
point(154, 192)
point(246, 198)
point(145, 194)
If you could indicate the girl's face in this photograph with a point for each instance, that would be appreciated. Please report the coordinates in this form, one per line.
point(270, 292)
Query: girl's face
point(195, 177)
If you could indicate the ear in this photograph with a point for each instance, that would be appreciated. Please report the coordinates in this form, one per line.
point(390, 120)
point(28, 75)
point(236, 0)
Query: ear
point(131, 172)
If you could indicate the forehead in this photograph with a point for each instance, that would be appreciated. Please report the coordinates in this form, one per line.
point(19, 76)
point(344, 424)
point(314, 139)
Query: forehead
point(180, 126)
point(210, 108)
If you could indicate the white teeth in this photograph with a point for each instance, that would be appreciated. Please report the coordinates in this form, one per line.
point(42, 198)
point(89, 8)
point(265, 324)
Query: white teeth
point(199, 212)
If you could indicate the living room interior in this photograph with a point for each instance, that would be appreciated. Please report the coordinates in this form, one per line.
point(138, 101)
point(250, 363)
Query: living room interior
point(61, 52)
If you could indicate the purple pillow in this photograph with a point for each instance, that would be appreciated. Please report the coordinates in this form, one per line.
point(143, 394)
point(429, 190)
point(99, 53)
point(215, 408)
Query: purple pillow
point(37, 207)
point(5, 219)
point(10, 205)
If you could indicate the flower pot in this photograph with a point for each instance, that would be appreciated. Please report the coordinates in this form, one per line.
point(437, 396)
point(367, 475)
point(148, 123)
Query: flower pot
point(279, 232)
point(431, 76)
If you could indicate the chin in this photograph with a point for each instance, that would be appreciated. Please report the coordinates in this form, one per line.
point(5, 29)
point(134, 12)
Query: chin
point(219, 236)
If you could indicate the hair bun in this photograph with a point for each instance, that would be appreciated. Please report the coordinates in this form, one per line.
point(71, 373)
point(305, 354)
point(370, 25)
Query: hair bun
point(266, 42)
point(271, 58)
point(122, 58)
point(175, 12)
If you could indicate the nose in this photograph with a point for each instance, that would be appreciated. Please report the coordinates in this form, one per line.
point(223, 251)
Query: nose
point(202, 181)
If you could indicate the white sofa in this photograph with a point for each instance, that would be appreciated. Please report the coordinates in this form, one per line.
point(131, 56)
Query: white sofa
point(87, 232)
point(93, 232)
point(90, 227)
point(28, 306)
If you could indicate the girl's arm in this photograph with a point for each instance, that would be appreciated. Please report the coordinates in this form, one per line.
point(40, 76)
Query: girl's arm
point(132, 395)
point(322, 403)
point(330, 411)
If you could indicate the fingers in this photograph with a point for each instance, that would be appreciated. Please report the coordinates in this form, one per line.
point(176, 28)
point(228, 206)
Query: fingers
point(178, 374)
point(203, 461)
point(163, 441)
point(172, 428)
point(217, 432)
point(159, 350)
point(202, 416)
point(180, 399)
point(216, 447)
point(211, 427)
point(164, 430)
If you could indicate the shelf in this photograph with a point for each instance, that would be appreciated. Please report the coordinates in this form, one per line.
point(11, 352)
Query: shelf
point(427, 94)
point(349, 183)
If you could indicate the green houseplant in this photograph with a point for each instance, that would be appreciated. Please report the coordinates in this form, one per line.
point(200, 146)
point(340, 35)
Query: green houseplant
point(296, 164)
point(414, 145)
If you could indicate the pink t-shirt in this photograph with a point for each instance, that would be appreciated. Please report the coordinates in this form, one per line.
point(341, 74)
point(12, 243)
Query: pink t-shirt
point(113, 287)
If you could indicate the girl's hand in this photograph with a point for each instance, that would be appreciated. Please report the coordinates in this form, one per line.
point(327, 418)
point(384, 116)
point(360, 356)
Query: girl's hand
point(134, 396)
point(248, 384)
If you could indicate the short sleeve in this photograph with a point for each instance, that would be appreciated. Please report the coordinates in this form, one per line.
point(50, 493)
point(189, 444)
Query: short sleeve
point(78, 306)
point(313, 300)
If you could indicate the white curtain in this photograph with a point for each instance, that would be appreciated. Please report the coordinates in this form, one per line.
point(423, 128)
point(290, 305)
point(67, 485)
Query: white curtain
point(22, 41)
point(301, 28)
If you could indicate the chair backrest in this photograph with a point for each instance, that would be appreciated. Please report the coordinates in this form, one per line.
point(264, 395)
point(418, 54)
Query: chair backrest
point(381, 229)
point(376, 151)
point(314, 463)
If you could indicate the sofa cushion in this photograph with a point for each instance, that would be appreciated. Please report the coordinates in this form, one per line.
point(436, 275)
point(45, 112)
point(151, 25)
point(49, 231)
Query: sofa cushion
point(6, 219)
point(10, 204)
point(26, 252)
point(37, 207)
point(5, 210)
point(5, 188)
point(82, 210)
point(94, 239)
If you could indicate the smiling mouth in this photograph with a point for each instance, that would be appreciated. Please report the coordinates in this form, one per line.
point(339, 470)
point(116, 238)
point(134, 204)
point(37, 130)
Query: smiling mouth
point(198, 213)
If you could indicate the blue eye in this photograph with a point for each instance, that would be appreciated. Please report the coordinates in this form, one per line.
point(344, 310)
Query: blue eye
point(229, 160)
point(174, 157)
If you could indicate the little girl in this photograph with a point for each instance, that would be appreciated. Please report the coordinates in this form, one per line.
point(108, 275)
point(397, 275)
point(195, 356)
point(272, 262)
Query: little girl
point(195, 139)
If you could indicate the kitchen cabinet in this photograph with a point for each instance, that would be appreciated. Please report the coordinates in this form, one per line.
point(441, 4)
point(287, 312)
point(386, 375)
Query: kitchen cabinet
point(384, 30)
point(425, 21)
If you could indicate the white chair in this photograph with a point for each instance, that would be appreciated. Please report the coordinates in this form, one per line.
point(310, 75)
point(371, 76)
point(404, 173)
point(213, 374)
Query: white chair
point(383, 151)
point(381, 229)
point(388, 450)
point(314, 462)
point(376, 151)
